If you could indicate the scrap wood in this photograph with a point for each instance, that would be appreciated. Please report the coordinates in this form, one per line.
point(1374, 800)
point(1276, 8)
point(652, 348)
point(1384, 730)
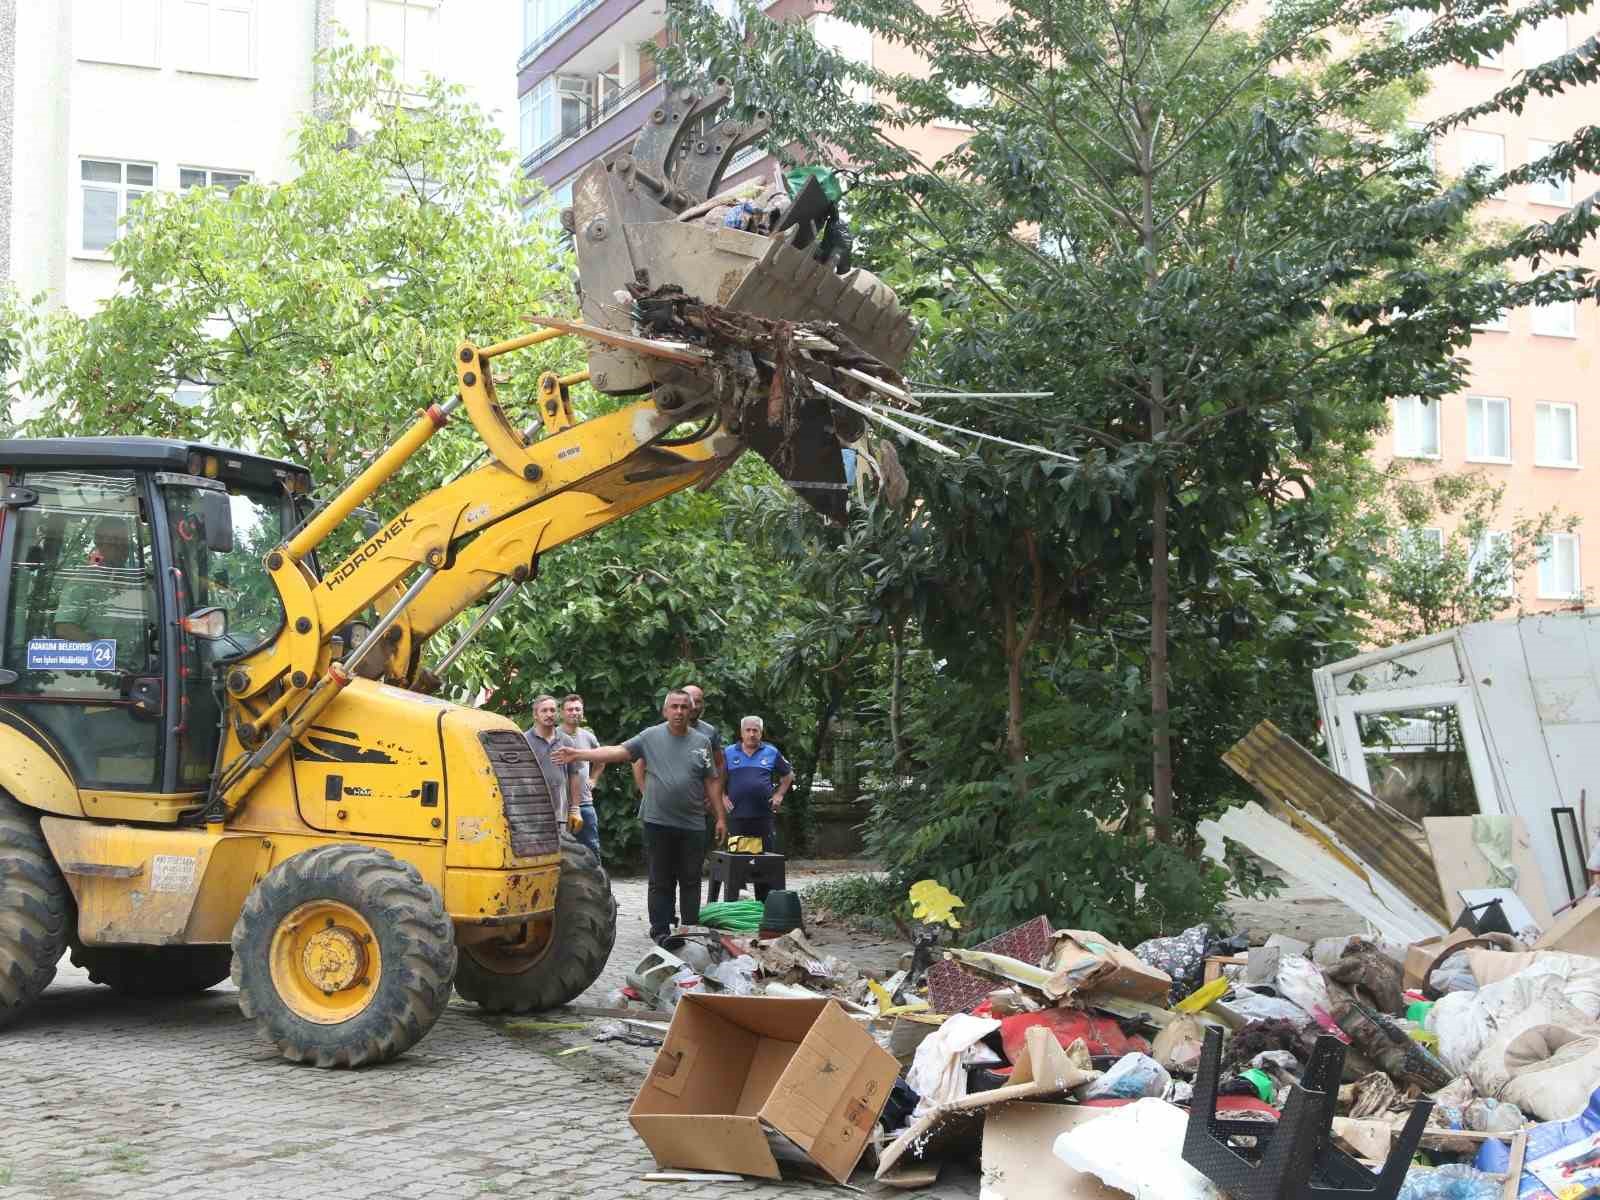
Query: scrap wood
point(1045, 1070)
point(1460, 863)
point(1372, 897)
point(1519, 1154)
point(1387, 842)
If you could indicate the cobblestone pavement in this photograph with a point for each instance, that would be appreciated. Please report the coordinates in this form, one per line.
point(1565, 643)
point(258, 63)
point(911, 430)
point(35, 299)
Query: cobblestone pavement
point(142, 1100)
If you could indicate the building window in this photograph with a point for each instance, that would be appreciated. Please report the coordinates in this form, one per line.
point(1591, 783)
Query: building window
point(1412, 21)
point(1488, 429)
point(1416, 427)
point(118, 31)
point(1544, 41)
point(1423, 541)
point(540, 17)
point(109, 191)
point(848, 42)
point(193, 177)
point(1499, 323)
point(1555, 440)
point(1479, 149)
point(191, 395)
point(217, 36)
point(409, 30)
point(1491, 553)
point(1555, 190)
point(1559, 577)
point(1559, 319)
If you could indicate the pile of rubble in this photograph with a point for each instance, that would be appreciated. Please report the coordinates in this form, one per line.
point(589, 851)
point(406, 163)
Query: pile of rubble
point(1066, 1065)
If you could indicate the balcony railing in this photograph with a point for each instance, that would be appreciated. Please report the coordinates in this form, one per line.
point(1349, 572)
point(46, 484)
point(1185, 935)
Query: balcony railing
point(572, 16)
point(593, 119)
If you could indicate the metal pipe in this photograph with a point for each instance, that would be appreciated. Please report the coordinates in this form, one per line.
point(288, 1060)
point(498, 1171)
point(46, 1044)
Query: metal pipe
point(874, 414)
point(980, 395)
point(988, 437)
point(428, 423)
point(876, 384)
point(353, 659)
point(575, 377)
point(482, 619)
point(519, 343)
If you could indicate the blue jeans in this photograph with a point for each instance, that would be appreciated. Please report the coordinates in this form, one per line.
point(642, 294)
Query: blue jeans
point(590, 834)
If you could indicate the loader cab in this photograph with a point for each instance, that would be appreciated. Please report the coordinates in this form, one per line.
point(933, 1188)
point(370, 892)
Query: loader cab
point(130, 573)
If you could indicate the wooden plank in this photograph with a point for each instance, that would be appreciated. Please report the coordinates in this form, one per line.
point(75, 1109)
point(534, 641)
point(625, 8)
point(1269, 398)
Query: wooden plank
point(1519, 1154)
point(1460, 864)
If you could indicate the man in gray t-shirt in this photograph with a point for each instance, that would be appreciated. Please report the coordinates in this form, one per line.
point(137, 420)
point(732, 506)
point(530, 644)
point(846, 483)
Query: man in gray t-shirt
point(580, 735)
point(543, 737)
point(681, 785)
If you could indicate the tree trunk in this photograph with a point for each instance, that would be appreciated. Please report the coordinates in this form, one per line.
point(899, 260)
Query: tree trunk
point(1160, 595)
point(896, 670)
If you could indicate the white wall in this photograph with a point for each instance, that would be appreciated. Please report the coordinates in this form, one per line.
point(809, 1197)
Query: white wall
point(160, 104)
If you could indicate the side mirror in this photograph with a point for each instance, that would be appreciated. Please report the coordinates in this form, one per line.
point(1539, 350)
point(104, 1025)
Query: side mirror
point(218, 516)
point(207, 624)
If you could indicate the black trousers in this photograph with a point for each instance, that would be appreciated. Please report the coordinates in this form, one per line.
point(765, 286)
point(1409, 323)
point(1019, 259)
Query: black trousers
point(673, 858)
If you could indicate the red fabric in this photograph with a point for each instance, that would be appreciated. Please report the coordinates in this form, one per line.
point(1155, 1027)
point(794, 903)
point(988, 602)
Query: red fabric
point(1100, 1033)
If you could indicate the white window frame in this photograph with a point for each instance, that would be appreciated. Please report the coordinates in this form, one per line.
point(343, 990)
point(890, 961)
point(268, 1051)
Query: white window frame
point(1501, 323)
point(209, 66)
point(408, 67)
point(1497, 165)
point(1529, 39)
point(1550, 585)
point(245, 176)
point(1410, 414)
point(122, 189)
point(1554, 190)
point(1552, 325)
point(1487, 541)
point(93, 15)
point(1548, 409)
point(1412, 21)
point(1413, 539)
point(1485, 406)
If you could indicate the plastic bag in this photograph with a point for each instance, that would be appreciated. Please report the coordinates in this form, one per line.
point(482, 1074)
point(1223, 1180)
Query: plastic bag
point(1453, 975)
point(1254, 1006)
point(1133, 1076)
point(736, 975)
point(1301, 983)
point(1137, 1149)
point(1457, 1181)
point(684, 981)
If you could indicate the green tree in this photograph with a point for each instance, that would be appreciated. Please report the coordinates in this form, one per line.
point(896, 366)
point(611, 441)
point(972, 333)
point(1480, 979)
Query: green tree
point(1239, 251)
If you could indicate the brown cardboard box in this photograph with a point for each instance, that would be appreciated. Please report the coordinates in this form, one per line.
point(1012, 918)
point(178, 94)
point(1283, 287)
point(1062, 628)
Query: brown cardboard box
point(1087, 963)
point(1420, 954)
point(740, 1075)
point(1576, 931)
point(1019, 1161)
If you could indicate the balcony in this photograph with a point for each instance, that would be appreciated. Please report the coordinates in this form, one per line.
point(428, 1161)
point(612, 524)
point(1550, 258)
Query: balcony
point(543, 41)
point(592, 130)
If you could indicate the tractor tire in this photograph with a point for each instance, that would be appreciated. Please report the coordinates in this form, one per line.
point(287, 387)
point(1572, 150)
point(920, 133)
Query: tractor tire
point(35, 911)
point(343, 956)
point(564, 967)
point(154, 970)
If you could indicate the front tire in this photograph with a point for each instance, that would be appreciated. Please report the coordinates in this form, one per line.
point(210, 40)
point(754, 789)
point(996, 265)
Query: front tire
point(35, 911)
point(562, 967)
point(154, 970)
point(343, 956)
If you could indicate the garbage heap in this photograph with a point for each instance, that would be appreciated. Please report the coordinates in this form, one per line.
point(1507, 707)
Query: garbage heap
point(1195, 1065)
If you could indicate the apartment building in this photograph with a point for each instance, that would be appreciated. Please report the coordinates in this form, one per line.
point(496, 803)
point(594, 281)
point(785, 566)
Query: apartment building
point(584, 91)
point(1530, 417)
point(103, 101)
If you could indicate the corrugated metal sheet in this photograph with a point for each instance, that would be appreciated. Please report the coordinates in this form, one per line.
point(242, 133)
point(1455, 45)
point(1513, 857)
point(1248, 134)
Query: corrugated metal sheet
point(1296, 784)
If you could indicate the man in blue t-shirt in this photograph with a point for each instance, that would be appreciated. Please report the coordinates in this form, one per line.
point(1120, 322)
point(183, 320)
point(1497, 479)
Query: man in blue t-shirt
point(758, 778)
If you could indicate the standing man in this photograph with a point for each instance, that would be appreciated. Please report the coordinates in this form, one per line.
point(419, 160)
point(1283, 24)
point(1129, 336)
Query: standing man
point(758, 779)
point(583, 737)
point(559, 775)
point(681, 786)
point(697, 708)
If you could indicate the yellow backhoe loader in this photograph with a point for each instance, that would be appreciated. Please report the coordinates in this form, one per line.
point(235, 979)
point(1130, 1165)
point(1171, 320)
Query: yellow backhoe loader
point(219, 754)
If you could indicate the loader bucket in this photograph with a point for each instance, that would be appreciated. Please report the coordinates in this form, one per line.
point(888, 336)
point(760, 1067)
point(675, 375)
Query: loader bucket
point(641, 222)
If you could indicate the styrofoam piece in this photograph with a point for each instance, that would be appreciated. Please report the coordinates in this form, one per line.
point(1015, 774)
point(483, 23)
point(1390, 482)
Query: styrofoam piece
point(1138, 1149)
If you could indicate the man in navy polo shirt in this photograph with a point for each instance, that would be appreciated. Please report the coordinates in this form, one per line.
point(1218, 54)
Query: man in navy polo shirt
point(758, 778)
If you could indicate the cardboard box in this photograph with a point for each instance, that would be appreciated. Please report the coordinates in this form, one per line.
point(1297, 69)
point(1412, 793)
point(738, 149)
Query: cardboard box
point(741, 1080)
point(1419, 955)
point(1019, 1161)
point(1576, 931)
point(1086, 963)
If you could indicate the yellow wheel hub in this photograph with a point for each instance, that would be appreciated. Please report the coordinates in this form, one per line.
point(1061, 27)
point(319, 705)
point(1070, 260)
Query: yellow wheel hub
point(325, 962)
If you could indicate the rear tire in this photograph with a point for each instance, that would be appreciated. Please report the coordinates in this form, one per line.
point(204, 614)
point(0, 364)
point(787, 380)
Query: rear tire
point(567, 964)
point(343, 956)
point(35, 910)
point(154, 970)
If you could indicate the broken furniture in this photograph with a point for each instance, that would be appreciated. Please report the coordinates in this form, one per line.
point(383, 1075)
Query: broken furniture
point(732, 871)
point(1296, 1159)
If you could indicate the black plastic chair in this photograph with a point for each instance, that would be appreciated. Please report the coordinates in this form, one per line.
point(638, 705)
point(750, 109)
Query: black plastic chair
point(1295, 1159)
